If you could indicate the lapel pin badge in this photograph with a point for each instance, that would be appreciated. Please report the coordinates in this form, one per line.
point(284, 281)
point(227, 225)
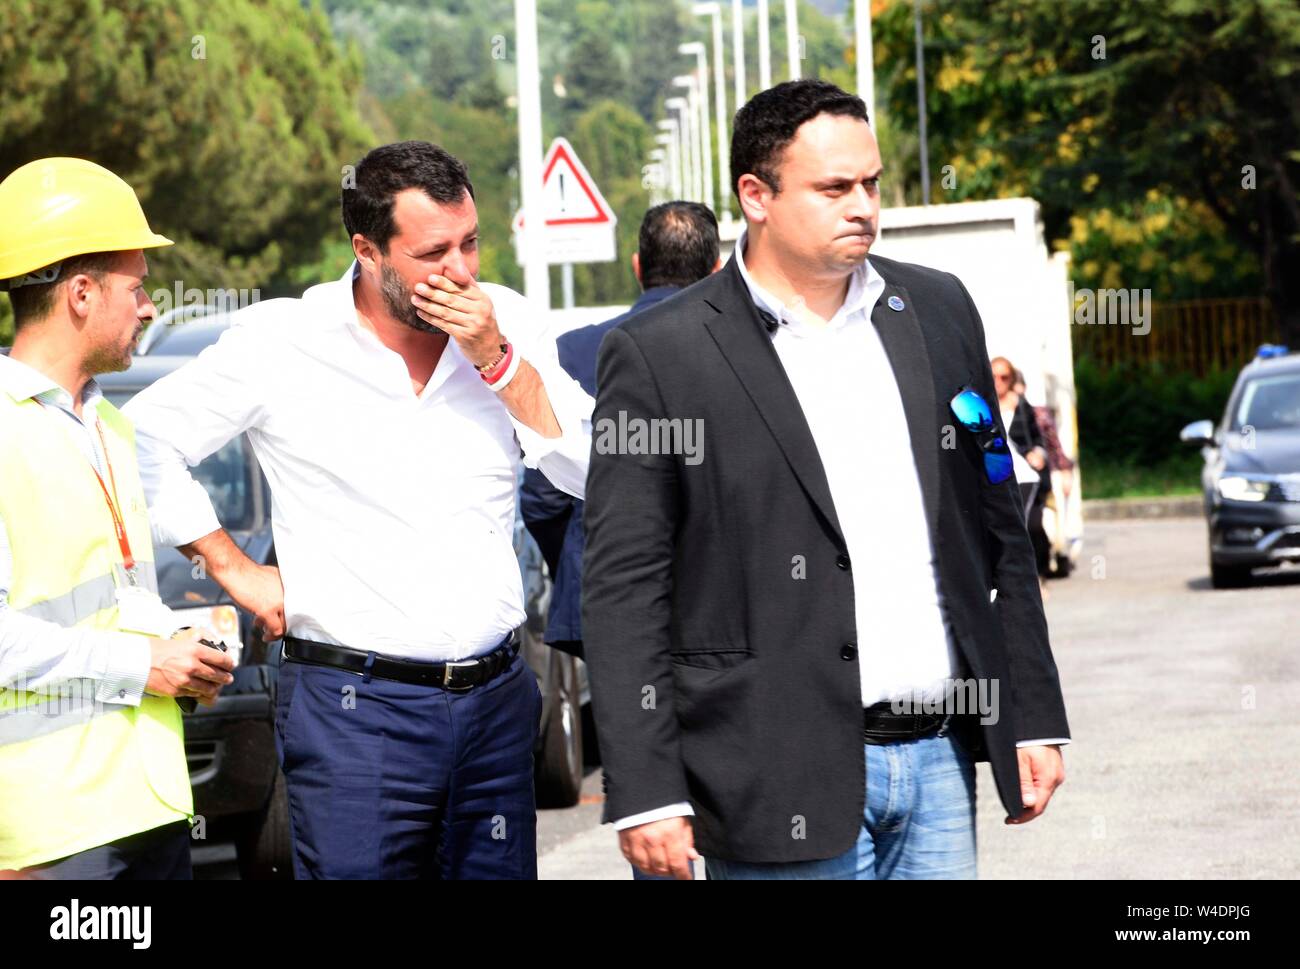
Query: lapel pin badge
point(895, 304)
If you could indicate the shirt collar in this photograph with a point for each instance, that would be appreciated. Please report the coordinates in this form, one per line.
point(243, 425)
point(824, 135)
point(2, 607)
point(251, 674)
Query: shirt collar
point(865, 288)
point(22, 382)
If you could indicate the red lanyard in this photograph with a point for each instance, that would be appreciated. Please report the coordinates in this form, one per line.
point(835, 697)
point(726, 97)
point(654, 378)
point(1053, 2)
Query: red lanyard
point(114, 505)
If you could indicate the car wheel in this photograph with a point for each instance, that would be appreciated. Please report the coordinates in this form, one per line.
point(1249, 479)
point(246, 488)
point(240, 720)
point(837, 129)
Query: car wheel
point(265, 849)
point(559, 762)
point(1228, 576)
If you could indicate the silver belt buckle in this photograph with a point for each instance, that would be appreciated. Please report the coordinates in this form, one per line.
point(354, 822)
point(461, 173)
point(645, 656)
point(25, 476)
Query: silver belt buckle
point(456, 665)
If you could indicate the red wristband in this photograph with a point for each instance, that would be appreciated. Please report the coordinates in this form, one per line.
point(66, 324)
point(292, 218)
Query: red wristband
point(498, 371)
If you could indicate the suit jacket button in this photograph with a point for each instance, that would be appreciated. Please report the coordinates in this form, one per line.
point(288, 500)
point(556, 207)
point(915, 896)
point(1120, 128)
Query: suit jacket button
point(848, 651)
point(842, 561)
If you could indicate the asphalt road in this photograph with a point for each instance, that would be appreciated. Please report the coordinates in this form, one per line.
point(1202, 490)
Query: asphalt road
point(1183, 700)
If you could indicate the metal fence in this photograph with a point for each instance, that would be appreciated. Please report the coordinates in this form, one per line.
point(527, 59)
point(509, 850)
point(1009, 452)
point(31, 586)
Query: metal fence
point(1192, 336)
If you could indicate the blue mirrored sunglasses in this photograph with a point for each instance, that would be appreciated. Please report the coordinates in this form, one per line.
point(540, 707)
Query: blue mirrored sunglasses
point(973, 413)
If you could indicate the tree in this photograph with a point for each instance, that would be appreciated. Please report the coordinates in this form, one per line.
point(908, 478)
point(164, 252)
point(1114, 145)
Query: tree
point(233, 122)
point(1094, 104)
point(612, 140)
point(592, 71)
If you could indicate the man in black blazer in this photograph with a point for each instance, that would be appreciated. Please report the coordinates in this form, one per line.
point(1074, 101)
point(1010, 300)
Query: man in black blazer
point(788, 622)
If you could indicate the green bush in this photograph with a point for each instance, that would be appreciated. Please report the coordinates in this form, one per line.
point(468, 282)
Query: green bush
point(1131, 415)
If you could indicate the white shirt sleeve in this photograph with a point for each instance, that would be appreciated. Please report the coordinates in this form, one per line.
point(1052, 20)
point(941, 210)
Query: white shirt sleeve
point(191, 413)
point(1043, 743)
point(39, 655)
point(682, 809)
point(562, 459)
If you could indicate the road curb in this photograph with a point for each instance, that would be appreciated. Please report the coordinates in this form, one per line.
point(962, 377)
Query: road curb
point(1116, 508)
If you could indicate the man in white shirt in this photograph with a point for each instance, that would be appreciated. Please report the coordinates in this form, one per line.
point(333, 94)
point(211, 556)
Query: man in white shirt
point(388, 410)
point(760, 624)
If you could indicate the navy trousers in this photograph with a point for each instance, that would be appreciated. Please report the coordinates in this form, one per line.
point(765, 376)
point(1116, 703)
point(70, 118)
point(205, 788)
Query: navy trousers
point(394, 780)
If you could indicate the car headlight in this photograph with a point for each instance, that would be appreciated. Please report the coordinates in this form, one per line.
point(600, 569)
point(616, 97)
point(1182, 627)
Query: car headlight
point(222, 620)
point(1236, 488)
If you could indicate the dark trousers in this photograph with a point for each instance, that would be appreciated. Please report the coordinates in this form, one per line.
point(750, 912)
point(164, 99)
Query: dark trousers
point(157, 855)
point(1034, 498)
point(393, 780)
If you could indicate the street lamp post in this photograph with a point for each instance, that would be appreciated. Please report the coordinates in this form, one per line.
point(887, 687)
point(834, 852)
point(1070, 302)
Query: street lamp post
point(686, 143)
point(714, 10)
point(865, 57)
point(701, 54)
point(764, 48)
point(537, 274)
point(692, 112)
point(792, 37)
point(671, 140)
point(920, 108)
point(653, 172)
point(738, 50)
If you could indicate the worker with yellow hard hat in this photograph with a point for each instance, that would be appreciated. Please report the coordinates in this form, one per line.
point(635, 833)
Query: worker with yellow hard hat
point(93, 779)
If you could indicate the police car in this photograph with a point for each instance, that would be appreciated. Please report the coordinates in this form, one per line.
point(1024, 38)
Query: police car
point(1252, 470)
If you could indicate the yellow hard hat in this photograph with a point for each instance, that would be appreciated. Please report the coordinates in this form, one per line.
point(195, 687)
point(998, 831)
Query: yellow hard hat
point(55, 208)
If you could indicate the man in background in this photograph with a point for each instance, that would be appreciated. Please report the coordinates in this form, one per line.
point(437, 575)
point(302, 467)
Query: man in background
point(678, 246)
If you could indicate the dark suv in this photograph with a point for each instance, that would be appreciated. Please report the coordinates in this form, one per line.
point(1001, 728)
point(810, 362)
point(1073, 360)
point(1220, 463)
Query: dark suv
point(1252, 470)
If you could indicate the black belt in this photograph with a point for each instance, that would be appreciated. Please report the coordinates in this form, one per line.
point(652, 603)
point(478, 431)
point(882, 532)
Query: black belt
point(457, 676)
point(881, 725)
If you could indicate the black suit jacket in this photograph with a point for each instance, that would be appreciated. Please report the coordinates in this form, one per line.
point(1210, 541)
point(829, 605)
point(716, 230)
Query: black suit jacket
point(716, 677)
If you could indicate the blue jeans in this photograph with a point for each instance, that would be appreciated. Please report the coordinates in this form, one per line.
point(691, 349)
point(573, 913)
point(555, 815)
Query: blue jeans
point(394, 780)
point(919, 820)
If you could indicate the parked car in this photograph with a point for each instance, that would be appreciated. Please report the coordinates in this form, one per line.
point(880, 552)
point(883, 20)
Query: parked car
point(183, 331)
point(1251, 478)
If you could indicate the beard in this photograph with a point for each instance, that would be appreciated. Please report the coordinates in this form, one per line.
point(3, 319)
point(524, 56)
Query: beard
point(397, 299)
point(114, 359)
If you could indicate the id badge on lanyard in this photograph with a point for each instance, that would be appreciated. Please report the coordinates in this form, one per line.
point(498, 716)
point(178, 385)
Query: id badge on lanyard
point(141, 611)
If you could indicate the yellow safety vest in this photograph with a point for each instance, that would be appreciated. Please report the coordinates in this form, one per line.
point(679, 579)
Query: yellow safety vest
point(76, 773)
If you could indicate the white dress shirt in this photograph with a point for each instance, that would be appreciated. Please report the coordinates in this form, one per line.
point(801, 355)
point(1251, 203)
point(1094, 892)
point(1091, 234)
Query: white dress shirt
point(37, 654)
point(393, 514)
point(849, 396)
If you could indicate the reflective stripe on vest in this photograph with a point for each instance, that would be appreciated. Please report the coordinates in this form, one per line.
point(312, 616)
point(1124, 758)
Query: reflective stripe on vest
point(48, 715)
point(88, 598)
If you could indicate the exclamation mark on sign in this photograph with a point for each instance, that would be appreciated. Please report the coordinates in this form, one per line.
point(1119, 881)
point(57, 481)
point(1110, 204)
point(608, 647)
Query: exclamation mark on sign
point(561, 191)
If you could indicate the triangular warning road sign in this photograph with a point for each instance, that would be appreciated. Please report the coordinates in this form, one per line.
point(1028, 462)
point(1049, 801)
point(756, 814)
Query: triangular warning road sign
point(569, 193)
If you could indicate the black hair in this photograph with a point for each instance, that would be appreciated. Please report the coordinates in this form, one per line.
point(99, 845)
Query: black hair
point(678, 244)
point(35, 300)
point(389, 169)
point(769, 120)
